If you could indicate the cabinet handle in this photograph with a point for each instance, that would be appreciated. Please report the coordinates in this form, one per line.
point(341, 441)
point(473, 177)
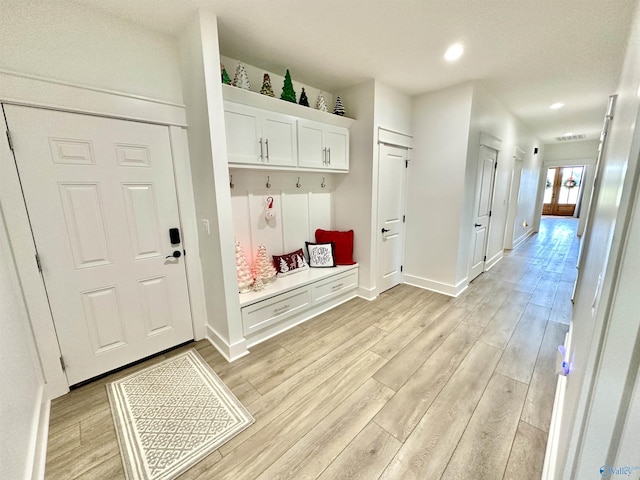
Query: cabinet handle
point(324, 156)
point(329, 155)
point(266, 142)
point(335, 287)
point(281, 309)
point(261, 155)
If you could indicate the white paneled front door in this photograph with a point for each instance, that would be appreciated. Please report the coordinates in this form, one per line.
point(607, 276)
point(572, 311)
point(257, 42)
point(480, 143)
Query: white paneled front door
point(391, 205)
point(101, 199)
point(482, 209)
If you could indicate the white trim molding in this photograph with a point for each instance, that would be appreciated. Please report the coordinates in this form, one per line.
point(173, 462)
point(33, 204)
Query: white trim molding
point(438, 287)
point(389, 137)
point(490, 141)
point(523, 237)
point(367, 293)
point(493, 260)
point(31, 90)
point(229, 352)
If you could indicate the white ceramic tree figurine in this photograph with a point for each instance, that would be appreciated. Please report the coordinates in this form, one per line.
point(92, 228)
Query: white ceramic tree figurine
point(241, 80)
point(321, 104)
point(262, 267)
point(245, 279)
point(258, 285)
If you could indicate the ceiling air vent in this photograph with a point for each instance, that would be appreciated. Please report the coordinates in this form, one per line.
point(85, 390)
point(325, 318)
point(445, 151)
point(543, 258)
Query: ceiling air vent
point(566, 138)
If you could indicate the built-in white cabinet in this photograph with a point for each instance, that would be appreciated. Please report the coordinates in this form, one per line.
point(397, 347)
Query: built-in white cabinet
point(266, 132)
point(260, 137)
point(322, 146)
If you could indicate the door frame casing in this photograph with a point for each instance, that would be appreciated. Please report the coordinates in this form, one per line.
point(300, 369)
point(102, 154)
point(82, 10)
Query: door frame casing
point(48, 94)
point(390, 138)
point(489, 141)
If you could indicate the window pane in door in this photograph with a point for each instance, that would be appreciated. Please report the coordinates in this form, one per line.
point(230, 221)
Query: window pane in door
point(548, 190)
point(570, 186)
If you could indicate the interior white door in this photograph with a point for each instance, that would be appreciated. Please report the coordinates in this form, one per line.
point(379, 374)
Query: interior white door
point(482, 209)
point(101, 199)
point(391, 206)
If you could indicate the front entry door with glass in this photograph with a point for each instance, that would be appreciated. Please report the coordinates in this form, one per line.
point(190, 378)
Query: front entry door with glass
point(562, 190)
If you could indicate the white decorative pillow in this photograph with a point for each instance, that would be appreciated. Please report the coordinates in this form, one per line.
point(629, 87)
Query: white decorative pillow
point(321, 255)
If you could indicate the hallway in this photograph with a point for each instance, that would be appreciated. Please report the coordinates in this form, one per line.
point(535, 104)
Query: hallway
point(412, 385)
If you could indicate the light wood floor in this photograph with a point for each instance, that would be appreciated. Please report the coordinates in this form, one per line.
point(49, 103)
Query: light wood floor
point(414, 385)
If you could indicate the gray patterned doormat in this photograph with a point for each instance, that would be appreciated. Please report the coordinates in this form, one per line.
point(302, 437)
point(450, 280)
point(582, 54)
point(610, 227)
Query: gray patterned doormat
point(171, 415)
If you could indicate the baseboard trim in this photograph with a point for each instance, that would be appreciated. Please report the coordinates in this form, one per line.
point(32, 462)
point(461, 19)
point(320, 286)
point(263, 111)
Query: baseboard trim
point(493, 260)
point(523, 237)
point(438, 287)
point(40, 435)
point(367, 293)
point(229, 352)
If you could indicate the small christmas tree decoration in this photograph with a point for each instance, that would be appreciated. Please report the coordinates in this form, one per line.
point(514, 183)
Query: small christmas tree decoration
point(303, 98)
point(263, 268)
point(225, 76)
point(339, 108)
point(266, 86)
point(241, 80)
point(321, 104)
point(288, 93)
point(258, 285)
point(245, 279)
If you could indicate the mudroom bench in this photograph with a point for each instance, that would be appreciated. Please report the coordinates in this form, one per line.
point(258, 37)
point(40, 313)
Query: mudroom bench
point(294, 299)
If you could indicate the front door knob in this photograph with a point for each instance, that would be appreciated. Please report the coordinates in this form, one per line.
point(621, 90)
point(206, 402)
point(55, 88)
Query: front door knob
point(175, 254)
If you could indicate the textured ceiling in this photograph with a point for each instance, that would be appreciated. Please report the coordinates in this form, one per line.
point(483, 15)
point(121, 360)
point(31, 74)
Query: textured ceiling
point(529, 54)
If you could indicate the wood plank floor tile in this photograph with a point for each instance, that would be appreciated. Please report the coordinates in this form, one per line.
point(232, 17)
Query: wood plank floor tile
point(403, 412)
point(396, 372)
point(428, 449)
point(520, 355)
point(365, 457)
point(261, 449)
point(495, 421)
point(296, 388)
point(562, 308)
point(539, 403)
point(309, 457)
point(504, 322)
point(527, 454)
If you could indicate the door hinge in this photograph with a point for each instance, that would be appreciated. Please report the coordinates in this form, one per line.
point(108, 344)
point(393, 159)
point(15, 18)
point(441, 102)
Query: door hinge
point(62, 364)
point(404, 218)
point(9, 140)
point(406, 163)
point(485, 258)
point(401, 267)
point(495, 166)
point(489, 212)
point(38, 263)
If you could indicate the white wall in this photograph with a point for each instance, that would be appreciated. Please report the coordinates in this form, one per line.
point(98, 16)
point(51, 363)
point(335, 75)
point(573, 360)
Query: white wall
point(511, 206)
point(563, 151)
point(207, 150)
point(436, 188)
point(605, 323)
point(353, 192)
point(21, 376)
point(69, 42)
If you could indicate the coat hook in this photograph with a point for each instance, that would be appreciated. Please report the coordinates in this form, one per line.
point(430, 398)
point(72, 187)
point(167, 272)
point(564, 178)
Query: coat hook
point(298, 184)
point(323, 184)
point(268, 182)
point(231, 184)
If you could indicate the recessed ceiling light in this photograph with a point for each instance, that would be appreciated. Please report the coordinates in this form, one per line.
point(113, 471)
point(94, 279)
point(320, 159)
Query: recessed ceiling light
point(568, 134)
point(454, 52)
point(556, 106)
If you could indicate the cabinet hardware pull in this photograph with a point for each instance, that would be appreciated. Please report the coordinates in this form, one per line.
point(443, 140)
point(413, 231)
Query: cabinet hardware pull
point(266, 142)
point(281, 309)
point(324, 156)
point(261, 154)
point(335, 287)
point(329, 155)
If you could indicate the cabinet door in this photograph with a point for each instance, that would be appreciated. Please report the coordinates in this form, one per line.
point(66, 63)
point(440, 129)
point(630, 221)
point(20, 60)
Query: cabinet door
point(310, 145)
point(280, 140)
point(243, 134)
point(336, 141)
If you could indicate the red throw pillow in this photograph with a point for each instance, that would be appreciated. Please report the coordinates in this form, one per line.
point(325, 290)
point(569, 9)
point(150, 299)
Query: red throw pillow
point(343, 244)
